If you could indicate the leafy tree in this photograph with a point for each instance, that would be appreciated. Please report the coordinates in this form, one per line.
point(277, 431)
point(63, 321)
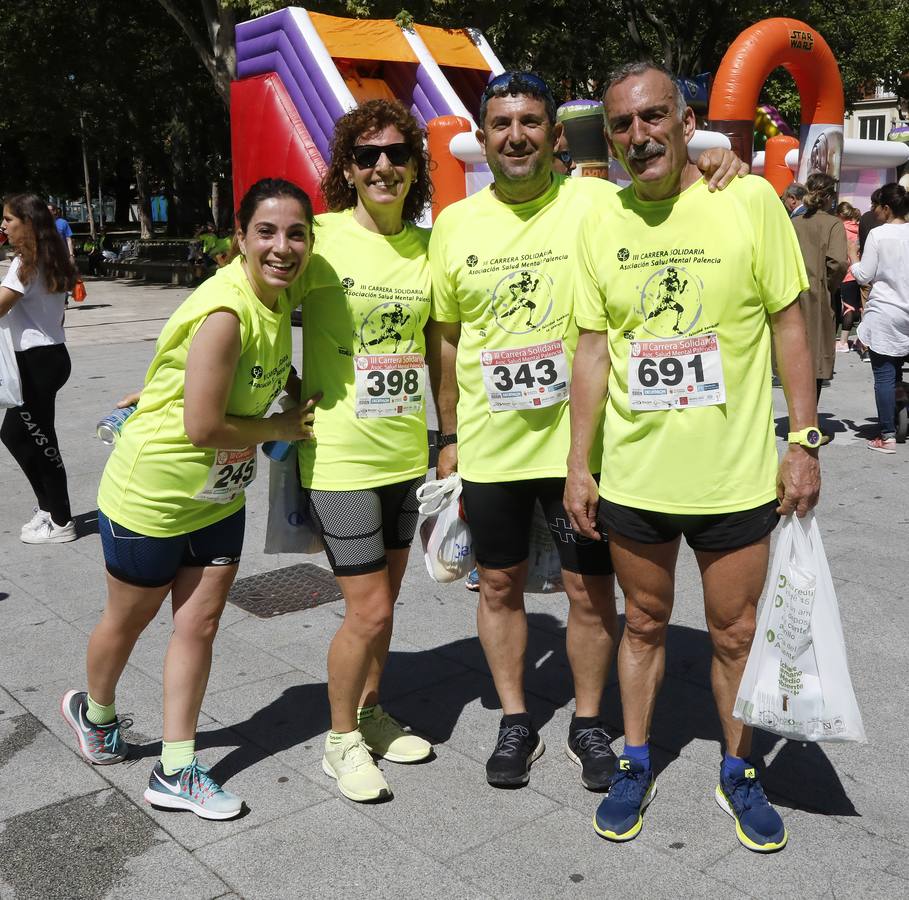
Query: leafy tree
point(153, 120)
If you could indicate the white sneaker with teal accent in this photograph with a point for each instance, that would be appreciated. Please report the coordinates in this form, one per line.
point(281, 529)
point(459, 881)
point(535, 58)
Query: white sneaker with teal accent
point(194, 789)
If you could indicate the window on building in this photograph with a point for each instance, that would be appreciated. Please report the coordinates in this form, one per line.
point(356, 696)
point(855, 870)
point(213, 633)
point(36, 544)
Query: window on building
point(872, 128)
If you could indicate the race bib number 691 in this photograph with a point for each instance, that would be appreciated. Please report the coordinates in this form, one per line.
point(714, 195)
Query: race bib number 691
point(676, 374)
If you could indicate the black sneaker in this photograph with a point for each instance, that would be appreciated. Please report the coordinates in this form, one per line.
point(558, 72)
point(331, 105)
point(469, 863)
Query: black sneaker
point(588, 746)
point(517, 746)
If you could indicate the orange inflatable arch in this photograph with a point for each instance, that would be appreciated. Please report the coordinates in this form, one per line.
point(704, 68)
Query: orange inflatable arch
point(805, 54)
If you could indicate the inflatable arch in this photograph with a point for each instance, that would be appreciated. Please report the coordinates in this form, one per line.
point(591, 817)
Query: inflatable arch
point(299, 72)
point(802, 51)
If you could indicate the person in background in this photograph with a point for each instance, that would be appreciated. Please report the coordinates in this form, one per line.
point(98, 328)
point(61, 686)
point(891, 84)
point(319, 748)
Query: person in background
point(562, 161)
point(868, 221)
point(793, 198)
point(822, 237)
point(171, 503)
point(32, 300)
point(885, 323)
point(850, 295)
point(365, 302)
point(63, 229)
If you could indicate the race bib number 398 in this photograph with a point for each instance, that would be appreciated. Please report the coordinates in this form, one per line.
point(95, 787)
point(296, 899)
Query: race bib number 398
point(230, 474)
point(389, 384)
point(676, 374)
point(526, 377)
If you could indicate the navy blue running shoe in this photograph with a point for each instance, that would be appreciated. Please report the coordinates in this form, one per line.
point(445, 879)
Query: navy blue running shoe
point(758, 825)
point(618, 817)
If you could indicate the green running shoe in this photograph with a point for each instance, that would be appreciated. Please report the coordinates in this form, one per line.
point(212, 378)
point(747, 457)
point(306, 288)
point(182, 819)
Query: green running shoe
point(389, 739)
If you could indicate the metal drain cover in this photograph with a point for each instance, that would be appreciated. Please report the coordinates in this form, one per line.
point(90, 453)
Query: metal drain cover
point(286, 590)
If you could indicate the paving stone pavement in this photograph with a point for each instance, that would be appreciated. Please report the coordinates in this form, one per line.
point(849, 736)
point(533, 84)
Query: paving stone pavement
point(68, 830)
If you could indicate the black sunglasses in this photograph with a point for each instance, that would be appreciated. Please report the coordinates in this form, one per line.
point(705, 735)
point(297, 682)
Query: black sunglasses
point(503, 81)
point(367, 155)
point(564, 157)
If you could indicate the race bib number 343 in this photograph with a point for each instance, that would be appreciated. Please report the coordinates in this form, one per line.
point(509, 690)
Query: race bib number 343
point(676, 374)
point(526, 377)
point(389, 384)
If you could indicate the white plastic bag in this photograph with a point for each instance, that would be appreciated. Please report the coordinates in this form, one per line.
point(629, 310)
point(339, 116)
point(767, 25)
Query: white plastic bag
point(289, 528)
point(544, 568)
point(796, 681)
point(447, 545)
point(10, 385)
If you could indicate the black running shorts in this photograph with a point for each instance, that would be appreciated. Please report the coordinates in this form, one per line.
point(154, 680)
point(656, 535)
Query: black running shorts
point(358, 526)
point(715, 532)
point(500, 515)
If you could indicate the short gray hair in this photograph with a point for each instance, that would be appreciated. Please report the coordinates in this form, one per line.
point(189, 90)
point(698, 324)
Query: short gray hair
point(796, 191)
point(641, 67)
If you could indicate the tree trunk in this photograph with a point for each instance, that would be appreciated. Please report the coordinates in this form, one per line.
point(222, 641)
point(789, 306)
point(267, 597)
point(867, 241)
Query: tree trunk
point(216, 48)
point(88, 188)
point(215, 205)
point(122, 192)
point(143, 202)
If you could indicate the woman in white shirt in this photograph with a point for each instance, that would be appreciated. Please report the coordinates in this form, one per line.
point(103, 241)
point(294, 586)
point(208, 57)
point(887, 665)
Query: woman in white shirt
point(885, 320)
point(32, 299)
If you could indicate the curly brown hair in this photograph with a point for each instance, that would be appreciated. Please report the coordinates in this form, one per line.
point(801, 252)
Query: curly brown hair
point(369, 119)
point(43, 251)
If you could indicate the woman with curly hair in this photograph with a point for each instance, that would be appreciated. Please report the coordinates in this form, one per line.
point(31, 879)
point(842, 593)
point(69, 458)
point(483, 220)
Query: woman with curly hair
point(822, 237)
point(365, 302)
point(32, 300)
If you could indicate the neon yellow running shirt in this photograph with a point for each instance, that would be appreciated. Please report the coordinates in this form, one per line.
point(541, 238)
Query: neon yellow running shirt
point(506, 273)
point(365, 303)
point(154, 472)
point(685, 288)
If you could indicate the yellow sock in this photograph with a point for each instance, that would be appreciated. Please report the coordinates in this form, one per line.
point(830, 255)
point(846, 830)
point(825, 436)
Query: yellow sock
point(176, 755)
point(98, 713)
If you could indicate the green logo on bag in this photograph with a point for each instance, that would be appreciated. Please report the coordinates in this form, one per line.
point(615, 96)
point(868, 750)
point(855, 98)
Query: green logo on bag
point(771, 637)
point(778, 602)
point(782, 582)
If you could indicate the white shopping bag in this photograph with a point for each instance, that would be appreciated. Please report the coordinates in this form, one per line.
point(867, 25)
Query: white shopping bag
point(796, 681)
point(544, 568)
point(447, 545)
point(289, 528)
point(10, 385)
